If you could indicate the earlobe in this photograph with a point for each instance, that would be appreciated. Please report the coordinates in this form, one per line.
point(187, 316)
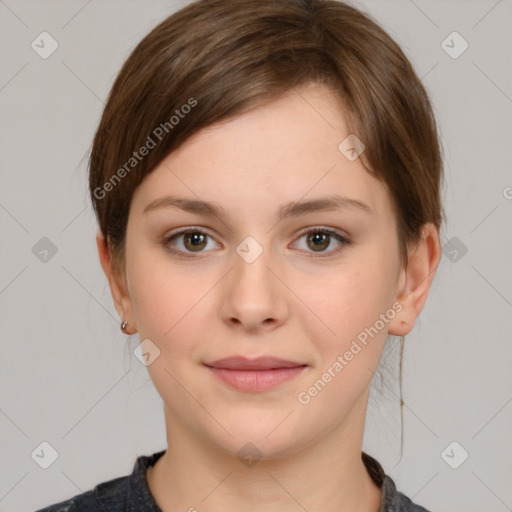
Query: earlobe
point(415, 281)
point(116, 282)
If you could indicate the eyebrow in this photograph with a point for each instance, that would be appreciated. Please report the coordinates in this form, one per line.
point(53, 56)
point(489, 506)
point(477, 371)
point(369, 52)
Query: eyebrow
point(293, 209)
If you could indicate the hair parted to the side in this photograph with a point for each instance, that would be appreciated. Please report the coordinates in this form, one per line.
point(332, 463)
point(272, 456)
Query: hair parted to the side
point(228, 57)
point(222, 58)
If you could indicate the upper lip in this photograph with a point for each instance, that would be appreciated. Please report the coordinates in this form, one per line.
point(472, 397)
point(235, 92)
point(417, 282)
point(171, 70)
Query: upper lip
point(258, 363)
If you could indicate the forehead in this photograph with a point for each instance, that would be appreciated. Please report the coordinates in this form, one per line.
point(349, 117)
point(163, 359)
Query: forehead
point(281, 152)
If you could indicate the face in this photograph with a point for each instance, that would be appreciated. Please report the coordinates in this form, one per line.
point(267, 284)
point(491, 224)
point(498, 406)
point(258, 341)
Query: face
point(320, 287)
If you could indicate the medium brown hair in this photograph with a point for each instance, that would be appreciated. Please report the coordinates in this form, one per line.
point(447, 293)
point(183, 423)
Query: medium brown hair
point(221, 58)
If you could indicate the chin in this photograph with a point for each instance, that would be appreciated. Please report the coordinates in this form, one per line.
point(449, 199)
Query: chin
point(255, 441)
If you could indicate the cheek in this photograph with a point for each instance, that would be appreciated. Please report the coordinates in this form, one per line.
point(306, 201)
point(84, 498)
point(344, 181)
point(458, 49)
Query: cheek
point(168, 310)
point(349, 339)
point(350, 300)
point(161, 293)
point(349, 305)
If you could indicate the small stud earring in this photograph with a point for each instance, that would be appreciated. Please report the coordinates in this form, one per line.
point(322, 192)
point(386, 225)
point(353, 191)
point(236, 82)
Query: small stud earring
point(124, 325)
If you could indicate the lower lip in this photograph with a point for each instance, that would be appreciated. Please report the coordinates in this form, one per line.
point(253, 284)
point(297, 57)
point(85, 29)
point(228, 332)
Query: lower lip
point(251, 380)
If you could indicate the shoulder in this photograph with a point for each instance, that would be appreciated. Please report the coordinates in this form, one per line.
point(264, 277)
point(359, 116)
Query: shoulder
point(128, 493)
point(395, 501)
point(392, 500)
point(107, 496)
point(74, 504)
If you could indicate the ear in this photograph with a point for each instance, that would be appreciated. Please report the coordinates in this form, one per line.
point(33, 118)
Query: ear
point(414, 282)
point(117, 283)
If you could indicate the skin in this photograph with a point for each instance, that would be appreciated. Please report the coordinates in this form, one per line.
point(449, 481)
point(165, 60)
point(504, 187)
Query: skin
point(287, 303)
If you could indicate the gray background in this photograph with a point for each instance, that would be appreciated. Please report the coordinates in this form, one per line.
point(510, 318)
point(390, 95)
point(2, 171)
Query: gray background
point(68, 375)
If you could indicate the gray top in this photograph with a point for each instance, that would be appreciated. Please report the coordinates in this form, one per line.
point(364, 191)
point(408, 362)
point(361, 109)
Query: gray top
point(131, 493)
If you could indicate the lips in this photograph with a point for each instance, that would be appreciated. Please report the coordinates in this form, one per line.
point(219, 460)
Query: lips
point(255, 375)
point(259, 363)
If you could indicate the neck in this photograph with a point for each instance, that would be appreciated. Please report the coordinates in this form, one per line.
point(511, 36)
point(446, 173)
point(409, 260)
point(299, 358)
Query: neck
point(195, 475)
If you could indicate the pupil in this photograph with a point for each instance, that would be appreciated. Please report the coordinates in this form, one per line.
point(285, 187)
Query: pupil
point(321, 236)
point(195, 237)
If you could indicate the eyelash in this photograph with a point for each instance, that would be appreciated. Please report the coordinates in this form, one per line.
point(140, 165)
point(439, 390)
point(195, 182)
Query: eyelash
point(314, 230)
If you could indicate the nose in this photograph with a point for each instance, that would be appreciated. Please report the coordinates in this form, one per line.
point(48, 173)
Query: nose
point(254, 295)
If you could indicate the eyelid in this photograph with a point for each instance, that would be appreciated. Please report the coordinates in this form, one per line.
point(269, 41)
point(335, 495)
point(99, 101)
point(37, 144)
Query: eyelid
point(339, 235)
point(167, 238)
point(327, 229)
point(186, 229)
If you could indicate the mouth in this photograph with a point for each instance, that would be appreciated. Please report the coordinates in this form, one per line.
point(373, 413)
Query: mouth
point(255, 375)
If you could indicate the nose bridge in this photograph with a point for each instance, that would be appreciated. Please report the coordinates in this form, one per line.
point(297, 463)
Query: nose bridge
point(253, 293)
point(252, 262)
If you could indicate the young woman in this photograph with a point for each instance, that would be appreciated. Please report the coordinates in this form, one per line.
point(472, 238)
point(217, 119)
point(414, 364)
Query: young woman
point(266, 177)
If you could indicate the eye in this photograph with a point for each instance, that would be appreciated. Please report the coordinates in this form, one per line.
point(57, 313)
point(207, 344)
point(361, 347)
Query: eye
point(320, 238)
point(194, 240)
